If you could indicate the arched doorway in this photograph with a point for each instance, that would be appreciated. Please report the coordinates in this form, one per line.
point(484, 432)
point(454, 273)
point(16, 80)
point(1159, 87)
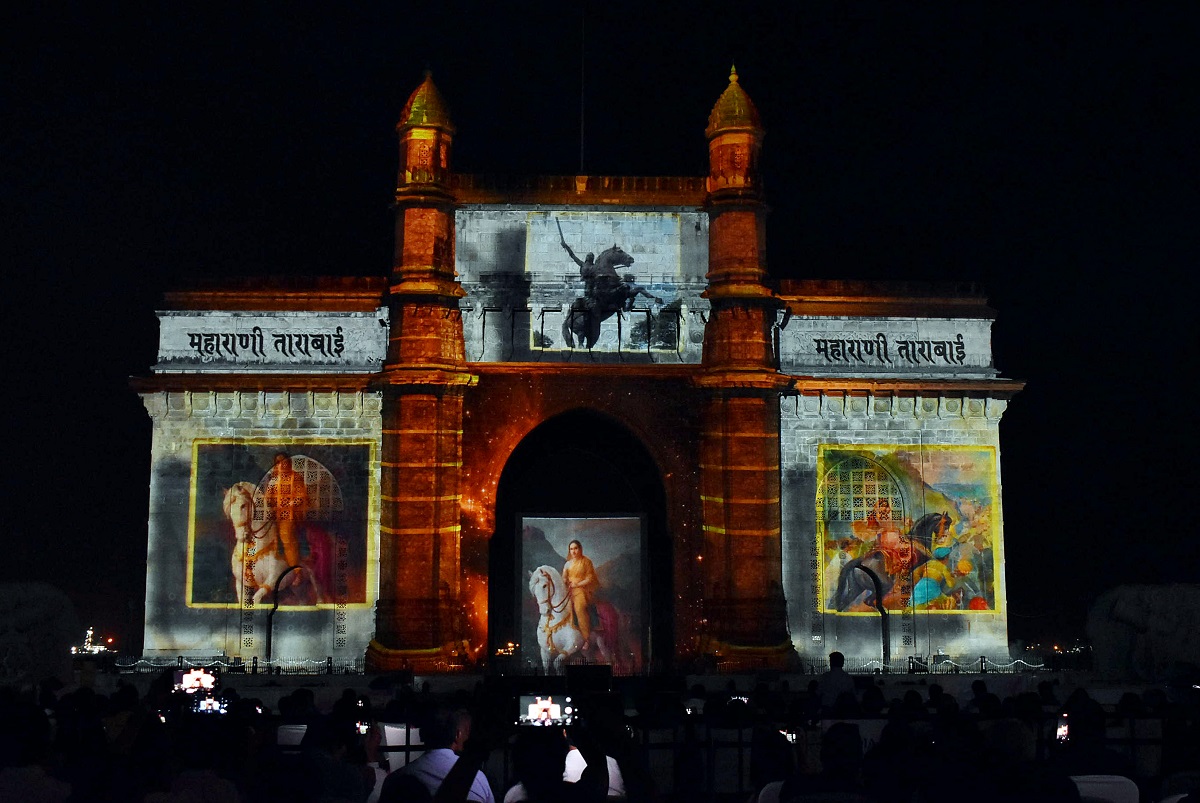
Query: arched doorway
point(581, 463)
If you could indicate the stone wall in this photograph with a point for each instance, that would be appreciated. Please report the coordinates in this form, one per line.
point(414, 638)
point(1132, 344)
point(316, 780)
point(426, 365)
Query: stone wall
point(910, 422)
point(520, 282)
point(274, 419)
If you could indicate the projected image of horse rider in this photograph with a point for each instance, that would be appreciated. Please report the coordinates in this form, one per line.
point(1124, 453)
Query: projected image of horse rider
point(880, 531)
point(604, 293)
point(582, 585)
point(287, 501)
point(855, 592)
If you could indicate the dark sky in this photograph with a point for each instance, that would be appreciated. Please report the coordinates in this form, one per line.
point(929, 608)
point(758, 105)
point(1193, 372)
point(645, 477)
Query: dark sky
point(1046, 153)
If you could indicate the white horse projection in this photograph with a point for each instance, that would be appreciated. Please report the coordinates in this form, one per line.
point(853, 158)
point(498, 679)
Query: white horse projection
point(560, 641)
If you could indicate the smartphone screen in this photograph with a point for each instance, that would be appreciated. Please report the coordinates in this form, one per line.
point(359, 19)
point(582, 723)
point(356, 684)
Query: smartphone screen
point(545, 710)
point(210, 705)
point(195, 680)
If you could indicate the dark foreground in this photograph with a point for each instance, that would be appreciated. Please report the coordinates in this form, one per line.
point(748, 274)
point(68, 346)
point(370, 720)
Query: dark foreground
point(896, 738)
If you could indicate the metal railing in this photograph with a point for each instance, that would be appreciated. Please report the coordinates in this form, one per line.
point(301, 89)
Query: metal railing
point(910, 665)
point(279, 666)
point(929, 665)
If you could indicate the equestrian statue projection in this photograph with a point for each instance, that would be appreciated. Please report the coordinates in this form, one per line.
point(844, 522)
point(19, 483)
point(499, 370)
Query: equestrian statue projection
point(604, 292)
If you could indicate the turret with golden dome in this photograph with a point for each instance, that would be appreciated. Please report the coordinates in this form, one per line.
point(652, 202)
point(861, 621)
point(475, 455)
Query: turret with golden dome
point(423, 380)
point(425, 134)
point(733, 109)
point(737, 259)
point(424, 264)
point(739, 444)
point(735, 137)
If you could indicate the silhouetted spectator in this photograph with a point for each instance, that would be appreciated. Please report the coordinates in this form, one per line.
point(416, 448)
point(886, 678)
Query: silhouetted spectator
point(1130, 705)
point(841, 767)
point(911, 707)
point(835, 682)
point(445, 732)
point(539, 762)
point(1009, 769)
point(893, 769)
point(25, 752)
point(694, 704)
point(1083, 752)
point(771, 756)
point(983, 702)
point(334, 759)
point(873, 701)
point(400, 788)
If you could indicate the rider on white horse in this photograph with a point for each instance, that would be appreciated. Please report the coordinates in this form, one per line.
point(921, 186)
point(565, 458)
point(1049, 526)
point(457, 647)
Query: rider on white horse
point(582, 584)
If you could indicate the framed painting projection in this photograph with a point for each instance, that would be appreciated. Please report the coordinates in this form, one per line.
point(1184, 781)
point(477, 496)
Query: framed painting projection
point(921, 519)
point(582, 591)
point(279, 520)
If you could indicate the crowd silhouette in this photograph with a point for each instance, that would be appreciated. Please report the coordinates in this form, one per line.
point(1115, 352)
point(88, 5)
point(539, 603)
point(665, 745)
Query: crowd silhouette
point(841, 738)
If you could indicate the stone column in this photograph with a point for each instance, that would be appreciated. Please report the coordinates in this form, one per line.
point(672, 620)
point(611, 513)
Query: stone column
point(419, 619)
point(744, 601)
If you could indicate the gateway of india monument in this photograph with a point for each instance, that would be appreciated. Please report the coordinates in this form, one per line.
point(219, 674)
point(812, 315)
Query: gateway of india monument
point(576, 421)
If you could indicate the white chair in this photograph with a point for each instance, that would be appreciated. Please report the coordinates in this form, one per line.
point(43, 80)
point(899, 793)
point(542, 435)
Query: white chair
point(1113, 788)
point(1183, 781)
point(660, 746)
point(575, 765)
point(729, 751)
point(289, 737)
point(398, 742)
point(770, 792)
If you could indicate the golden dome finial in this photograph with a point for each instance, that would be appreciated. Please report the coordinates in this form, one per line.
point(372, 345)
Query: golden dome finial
point(733, 109)
point(425, 108)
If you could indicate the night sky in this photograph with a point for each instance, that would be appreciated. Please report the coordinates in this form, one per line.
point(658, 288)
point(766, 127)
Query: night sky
point(1047, 154)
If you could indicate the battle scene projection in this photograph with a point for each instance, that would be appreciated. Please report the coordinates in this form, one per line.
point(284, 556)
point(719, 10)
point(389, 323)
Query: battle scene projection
point(581, 592)
point(281, 521)
point(544, 283)
point(921, 520)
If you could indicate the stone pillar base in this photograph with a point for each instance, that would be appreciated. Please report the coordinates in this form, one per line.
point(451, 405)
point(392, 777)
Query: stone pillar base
point(446, 659)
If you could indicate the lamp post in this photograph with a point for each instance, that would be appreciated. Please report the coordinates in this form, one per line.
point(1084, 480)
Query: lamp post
point(884, 631)
point(275, 607)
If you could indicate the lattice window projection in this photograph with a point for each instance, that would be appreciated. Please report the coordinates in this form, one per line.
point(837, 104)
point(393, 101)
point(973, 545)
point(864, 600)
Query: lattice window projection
point(857, 487)
point(321, 499)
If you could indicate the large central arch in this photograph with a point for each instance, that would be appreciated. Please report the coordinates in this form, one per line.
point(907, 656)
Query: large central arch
point(581, 463)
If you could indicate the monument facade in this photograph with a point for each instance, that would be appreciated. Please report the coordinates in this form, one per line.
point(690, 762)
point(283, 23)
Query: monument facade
point(576, 421)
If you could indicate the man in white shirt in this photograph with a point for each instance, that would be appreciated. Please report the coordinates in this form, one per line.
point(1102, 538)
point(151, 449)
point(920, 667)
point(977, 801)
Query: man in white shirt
point(445, 735)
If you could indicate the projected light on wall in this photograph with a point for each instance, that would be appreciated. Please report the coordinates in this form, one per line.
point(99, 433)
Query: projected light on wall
point(583, 582)
point(259, 509)
point(921, 520)
point(545, 283)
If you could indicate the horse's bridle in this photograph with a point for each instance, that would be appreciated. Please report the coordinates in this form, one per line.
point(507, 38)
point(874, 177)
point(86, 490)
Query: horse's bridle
point(254, 532)
point(551, 608)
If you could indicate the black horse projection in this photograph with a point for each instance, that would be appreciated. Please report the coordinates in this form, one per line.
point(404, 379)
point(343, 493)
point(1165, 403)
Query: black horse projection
point(605, 293)
point(911, 554)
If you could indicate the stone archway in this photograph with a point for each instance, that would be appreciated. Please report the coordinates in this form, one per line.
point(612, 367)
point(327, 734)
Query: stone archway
point(581, 463)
